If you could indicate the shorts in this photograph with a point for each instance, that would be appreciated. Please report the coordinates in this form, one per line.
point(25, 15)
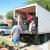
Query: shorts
point(14, 40)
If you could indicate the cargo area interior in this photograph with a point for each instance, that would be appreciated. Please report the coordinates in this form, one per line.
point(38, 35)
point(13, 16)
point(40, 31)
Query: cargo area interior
point(23, 18)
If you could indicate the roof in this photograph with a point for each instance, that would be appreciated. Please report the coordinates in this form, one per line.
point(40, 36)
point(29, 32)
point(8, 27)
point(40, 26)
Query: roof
point(31, 8)
point(25, 6)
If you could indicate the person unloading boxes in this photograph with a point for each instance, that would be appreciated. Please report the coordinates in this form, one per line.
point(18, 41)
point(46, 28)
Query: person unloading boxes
point(15, 35)
point(30, 20)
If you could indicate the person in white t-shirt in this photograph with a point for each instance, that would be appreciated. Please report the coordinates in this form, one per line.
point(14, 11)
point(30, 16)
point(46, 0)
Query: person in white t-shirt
point(15, 34)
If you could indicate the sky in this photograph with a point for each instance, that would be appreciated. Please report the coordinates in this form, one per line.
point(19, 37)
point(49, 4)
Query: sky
point(8, 5)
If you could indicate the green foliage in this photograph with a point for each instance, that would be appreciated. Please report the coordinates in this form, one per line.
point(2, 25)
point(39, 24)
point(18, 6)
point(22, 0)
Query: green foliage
point(4, 39)
point(43, 3)
point(9, 15)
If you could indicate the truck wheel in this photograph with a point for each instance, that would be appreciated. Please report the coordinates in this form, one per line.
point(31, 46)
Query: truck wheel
point(2, 33)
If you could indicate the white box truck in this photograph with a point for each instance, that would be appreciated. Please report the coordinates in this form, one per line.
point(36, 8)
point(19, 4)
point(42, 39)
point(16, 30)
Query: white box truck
point(41, 17)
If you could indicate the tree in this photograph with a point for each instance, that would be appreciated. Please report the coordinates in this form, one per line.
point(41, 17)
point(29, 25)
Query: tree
point(9, 15)
point(43, 3)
